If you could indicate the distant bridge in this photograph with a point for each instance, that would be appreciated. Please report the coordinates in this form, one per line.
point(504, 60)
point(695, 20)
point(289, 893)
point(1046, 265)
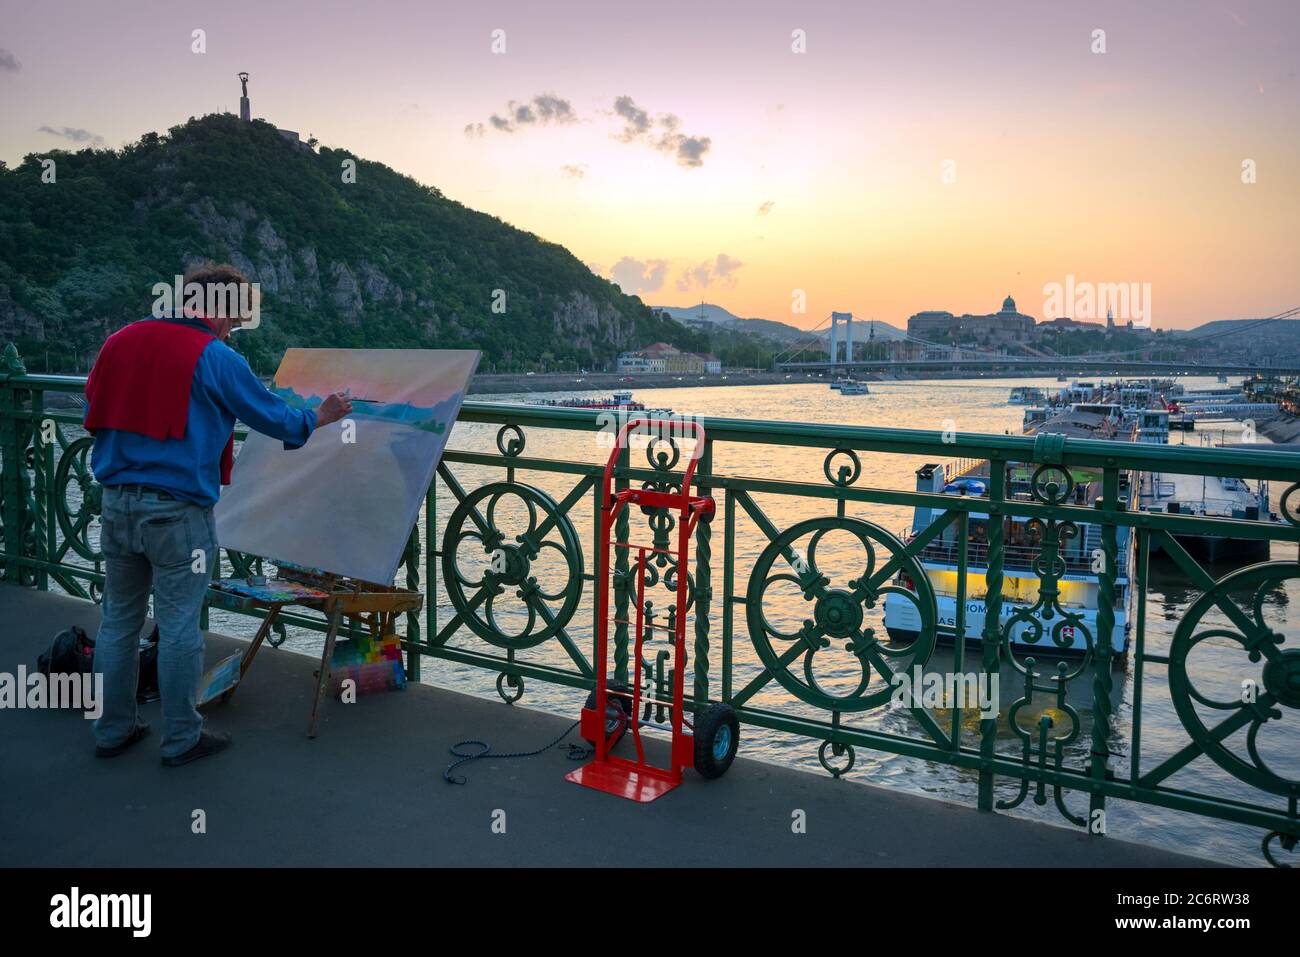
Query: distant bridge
point(1088, 365)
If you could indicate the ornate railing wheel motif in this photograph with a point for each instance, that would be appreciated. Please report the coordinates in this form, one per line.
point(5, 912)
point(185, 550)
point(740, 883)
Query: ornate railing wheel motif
point(839, 613)
point(75, 519)
point(508, 561)
point(1276, 688)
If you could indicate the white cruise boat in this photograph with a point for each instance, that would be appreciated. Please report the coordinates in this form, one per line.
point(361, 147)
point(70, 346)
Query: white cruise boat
point(1027, 395)
point(850, 387)
point(1078, 391)
point(1079, 584)
point(1208, 495)
point(621, 401)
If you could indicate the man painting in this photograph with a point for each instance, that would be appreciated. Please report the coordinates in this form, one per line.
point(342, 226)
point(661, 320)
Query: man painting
point(161, 402)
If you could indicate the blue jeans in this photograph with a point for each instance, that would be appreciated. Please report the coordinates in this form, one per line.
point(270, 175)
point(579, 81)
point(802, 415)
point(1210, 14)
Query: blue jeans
point(153, 541)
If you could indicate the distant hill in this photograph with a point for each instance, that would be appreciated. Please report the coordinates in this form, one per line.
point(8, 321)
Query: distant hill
point(863, 328)
point(722, 318)
point(1248, 340)
point(711, 312)
point(381, 262)
point(1284, 333)
point(769, 328)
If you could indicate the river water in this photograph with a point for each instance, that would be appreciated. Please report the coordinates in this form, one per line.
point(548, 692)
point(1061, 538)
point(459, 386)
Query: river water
point(967, 406)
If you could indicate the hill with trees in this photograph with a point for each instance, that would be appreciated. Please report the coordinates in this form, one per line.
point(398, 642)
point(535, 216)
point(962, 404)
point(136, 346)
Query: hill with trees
point(380, 262)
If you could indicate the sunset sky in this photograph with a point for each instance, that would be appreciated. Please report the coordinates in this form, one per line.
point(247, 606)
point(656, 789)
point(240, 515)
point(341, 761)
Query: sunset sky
point(687, 151)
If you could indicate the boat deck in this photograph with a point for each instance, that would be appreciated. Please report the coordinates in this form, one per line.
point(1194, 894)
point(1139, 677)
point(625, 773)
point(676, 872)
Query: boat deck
point(369, 791)
point(1195, 494)
point(1087, 482)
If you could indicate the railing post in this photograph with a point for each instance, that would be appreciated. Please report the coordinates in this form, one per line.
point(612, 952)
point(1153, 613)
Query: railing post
point(959, 620)
point(703, 581)
point(1101, 674)
point(412, 562)
point(430, 572)
point(728, 589)
point(12, 463)
point(992, 636)
point(622, 589)
point(44, 516)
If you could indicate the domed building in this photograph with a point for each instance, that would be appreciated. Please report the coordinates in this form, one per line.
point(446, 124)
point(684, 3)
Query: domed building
point(1006, 325)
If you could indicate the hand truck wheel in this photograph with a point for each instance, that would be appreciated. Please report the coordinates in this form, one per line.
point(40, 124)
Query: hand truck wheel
point(717, 736)
point(618, 713)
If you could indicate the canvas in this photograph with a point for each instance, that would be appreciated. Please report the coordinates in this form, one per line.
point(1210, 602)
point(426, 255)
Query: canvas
point(347, 507)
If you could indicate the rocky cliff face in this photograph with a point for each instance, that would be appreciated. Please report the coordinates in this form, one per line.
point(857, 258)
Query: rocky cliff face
point(293, 275)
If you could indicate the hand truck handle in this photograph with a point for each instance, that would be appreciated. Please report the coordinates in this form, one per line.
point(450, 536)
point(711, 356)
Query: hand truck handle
point(621, 443)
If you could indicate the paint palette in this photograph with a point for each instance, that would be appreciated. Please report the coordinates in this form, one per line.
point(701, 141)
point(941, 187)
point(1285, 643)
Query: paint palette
point(270, 590)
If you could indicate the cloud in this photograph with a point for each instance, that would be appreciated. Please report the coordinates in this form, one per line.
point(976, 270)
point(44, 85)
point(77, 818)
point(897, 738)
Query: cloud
point(637, 119)
point(638, 127)
point(635, 277)
point(8, 61)
point(553, 109)
point(542, 110)
point(766, 208)
point(73, 133)
point(725, 266)
point(690, 150)
point(718, 272)
point(574, 170)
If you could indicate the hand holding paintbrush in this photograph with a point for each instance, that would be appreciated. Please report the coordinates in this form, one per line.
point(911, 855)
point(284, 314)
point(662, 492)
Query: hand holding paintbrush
point(333, 408)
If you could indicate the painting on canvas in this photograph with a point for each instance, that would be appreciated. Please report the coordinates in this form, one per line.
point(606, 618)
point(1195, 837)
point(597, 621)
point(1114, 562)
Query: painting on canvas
point(346, 501)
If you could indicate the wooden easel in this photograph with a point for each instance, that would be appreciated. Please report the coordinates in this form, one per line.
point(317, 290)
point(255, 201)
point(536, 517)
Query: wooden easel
point(376, 606)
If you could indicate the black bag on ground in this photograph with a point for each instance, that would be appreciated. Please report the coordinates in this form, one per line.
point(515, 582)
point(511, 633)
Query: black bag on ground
point(73, 652)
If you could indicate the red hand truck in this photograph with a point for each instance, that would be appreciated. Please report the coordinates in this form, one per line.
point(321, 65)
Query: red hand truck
point(710, 745)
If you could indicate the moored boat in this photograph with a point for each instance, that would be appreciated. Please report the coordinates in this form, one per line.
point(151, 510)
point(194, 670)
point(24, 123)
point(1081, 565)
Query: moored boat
point(1027, 395)
point(620, 401)
point(1209, 496)
point(1060, 621)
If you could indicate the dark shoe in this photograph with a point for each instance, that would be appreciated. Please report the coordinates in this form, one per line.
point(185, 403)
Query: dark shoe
point(140, 731)
point(210, 742)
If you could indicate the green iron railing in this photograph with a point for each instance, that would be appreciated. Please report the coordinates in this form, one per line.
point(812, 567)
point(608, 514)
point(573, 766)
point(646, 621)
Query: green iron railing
point(49, 503)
